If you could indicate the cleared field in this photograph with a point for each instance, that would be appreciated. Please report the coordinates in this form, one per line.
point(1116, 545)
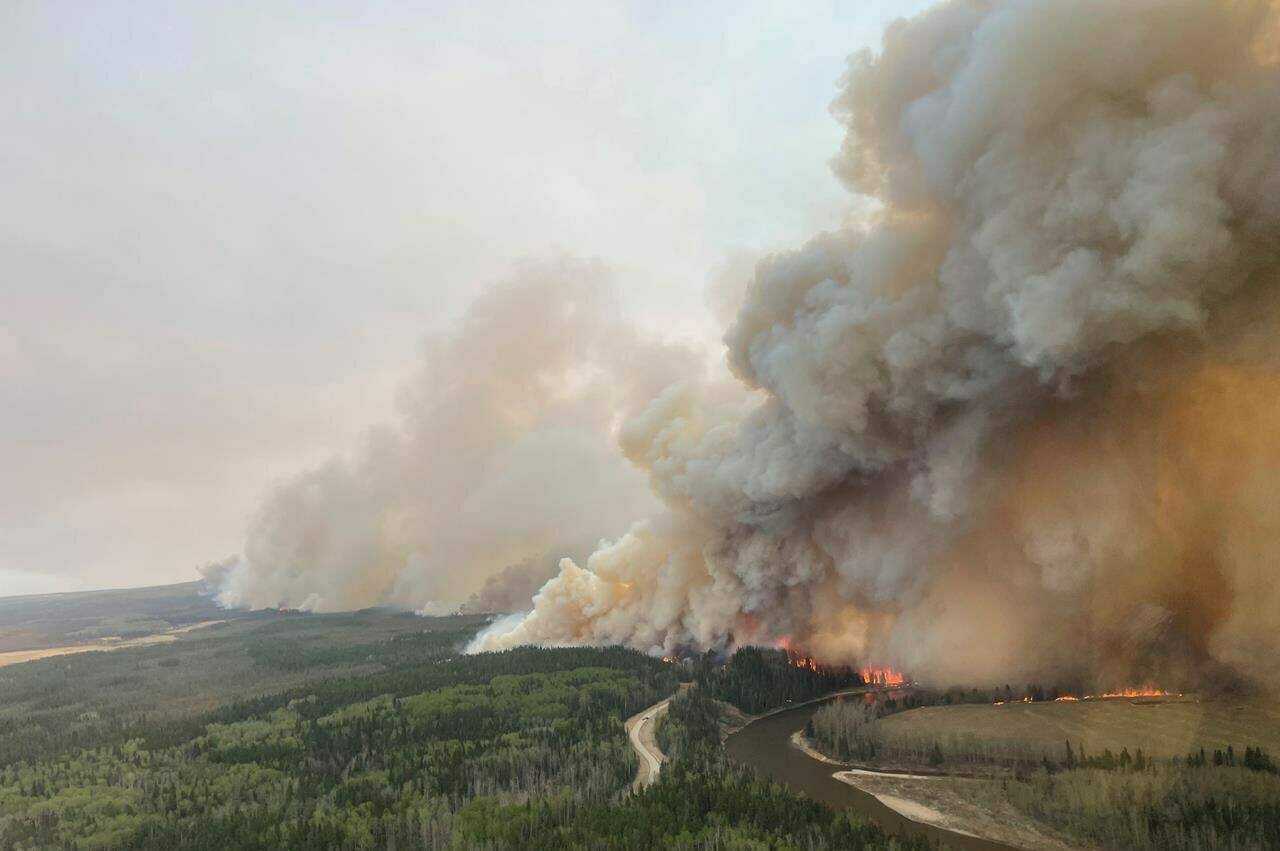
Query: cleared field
point(92, 618)
point(17, 657)
point(1171, 728)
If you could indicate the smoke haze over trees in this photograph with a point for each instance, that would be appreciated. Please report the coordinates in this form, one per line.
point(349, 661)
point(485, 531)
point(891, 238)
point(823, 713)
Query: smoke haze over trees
point(1018, 423)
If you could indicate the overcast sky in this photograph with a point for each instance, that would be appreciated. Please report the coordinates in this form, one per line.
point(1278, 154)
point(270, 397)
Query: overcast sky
point(227, 229)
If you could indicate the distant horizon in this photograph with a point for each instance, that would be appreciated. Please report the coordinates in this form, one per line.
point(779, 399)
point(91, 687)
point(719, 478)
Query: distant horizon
point(103, 590)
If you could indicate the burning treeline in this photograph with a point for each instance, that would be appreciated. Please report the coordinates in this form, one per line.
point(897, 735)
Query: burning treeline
point(1020, 423)
point(873, 675)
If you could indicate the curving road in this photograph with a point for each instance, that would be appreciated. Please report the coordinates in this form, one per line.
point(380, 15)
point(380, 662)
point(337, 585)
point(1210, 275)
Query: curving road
point(642, 732)
point(641, 729)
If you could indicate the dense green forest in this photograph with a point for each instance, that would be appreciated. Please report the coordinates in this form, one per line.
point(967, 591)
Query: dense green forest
point(371, 730)
point(756, 679)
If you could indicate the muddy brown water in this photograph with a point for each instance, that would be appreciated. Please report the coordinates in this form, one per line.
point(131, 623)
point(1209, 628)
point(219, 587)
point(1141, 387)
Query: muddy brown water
point(765, 745)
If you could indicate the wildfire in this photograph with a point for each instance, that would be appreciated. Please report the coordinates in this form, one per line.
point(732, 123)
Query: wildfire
point(799, 660)
point(1145, 691)
point(876, 676)
point(668, 660)
point(795, 657)
point(872, 675)
point(1133, 692)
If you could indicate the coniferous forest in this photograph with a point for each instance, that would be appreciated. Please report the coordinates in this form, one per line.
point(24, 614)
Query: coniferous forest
point(372, 730)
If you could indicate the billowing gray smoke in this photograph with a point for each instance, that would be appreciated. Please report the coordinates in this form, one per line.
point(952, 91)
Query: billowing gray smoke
point(1025, 421)
point(473, 478)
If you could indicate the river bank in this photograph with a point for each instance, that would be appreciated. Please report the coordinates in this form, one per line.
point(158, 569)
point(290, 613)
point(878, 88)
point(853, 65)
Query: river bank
point(765, 744)
point(961, 804)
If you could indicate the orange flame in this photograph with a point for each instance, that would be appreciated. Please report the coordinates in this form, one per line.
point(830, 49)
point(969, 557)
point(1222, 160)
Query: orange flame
point(795, 657)
point(799, 660)
point(1144, 691)
point(877, 676)
point(873, 675)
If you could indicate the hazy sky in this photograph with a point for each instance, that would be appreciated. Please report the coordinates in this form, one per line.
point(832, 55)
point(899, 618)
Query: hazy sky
point(227, 229)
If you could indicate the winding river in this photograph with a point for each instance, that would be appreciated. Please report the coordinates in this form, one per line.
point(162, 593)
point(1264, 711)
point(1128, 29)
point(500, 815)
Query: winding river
point(765, 744)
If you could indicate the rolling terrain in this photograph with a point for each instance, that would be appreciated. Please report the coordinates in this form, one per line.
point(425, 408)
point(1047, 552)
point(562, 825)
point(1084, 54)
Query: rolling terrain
point(371, 730)
point(54, 620)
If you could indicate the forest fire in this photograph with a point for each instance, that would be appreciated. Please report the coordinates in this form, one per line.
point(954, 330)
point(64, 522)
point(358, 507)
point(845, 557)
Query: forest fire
point(876, 676)
point(1133, 692)
point(798, 660)
point(1145, 691)
point(872, 675)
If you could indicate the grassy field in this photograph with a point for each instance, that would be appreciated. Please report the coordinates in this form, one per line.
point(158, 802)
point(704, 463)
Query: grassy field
point(1165, 729)
point(55, 620)
point(1124, 783)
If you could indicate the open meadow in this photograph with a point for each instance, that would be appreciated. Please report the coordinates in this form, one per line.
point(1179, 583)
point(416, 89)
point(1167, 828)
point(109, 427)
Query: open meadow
point(1172, 727)
point(1149, 773)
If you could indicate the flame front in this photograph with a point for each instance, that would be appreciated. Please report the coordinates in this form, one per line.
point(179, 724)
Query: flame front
point(877, 676)
point(872, 675)
point(799, 660)
point(1131, 692)
point(1145, 691)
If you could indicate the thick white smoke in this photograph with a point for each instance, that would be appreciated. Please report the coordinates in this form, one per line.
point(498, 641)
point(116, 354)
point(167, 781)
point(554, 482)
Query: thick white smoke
point(1023, 422)
point(505, 449)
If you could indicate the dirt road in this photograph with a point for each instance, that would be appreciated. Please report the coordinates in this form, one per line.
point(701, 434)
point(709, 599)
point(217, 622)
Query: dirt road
point(641, 730)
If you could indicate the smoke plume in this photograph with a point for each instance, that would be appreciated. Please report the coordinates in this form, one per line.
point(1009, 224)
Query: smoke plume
point(1023, 422)
point(504, 449)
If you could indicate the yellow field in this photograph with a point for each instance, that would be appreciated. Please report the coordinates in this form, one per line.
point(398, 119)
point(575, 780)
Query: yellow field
point(17, 657)
point(1171, 728)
